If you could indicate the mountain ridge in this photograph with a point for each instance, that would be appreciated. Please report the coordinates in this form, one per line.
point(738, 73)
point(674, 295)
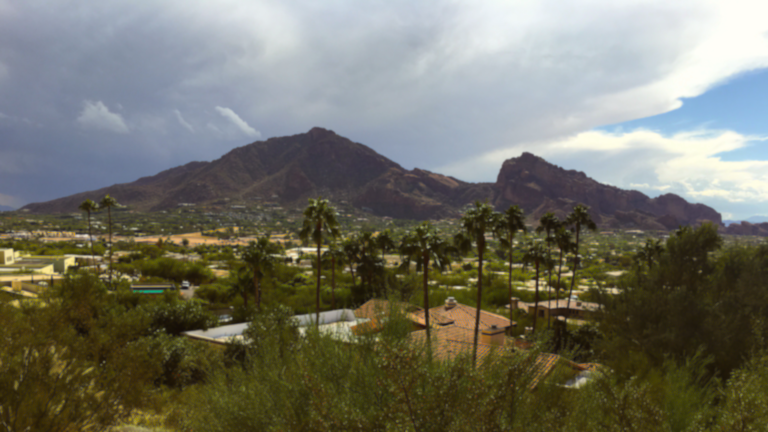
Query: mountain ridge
point(290, 169)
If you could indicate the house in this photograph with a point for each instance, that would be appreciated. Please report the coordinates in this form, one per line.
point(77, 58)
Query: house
point(340, 324)
point(558, 308)
point(452, 327)
point(451, 341)
point(14, 262)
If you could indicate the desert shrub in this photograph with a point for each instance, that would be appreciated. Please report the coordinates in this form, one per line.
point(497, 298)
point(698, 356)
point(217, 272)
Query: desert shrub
point(181, 361)
point(178, 316)
point(214, 293)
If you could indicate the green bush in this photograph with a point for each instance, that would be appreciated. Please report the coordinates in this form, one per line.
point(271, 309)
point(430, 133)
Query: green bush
point(179, 316)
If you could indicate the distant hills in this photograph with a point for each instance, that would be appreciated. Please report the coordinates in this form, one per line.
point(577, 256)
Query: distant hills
point(6, 208)
point(288, 170)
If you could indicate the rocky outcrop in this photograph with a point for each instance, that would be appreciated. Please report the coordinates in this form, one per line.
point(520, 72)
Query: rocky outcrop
point(746, 229)
point(538, 187)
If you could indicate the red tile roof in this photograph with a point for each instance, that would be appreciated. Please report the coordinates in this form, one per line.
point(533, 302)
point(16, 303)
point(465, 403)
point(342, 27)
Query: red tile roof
point(451, 341)
point(463, 316)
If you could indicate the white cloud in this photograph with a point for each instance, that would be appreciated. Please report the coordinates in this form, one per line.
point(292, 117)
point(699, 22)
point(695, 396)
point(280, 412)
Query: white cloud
point(183, 122)
point(427, 84)
point(96, 116)
point(237, 121)
point(687, 163)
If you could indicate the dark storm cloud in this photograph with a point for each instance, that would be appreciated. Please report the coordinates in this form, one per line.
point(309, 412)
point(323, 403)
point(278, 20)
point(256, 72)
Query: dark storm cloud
point(111, 91)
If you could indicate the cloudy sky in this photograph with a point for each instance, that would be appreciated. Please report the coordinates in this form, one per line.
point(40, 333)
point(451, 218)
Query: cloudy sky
point(658, 96)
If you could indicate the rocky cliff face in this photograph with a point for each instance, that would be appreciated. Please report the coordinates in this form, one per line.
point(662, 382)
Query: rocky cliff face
point(746, 229)
point(538, 187)
point(321, 163)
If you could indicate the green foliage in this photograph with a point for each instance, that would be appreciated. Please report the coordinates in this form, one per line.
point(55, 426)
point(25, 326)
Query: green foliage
point(177, 317)
point(692, 299)
point(181, 361)
point(177, 271)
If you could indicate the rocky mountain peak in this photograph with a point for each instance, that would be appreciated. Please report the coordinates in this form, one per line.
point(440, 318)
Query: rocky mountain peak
point(321, 163)
point(317, 134)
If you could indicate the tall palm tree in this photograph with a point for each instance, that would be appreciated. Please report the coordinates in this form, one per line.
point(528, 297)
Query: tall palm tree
point(370, 263)
point(510, 222)
point(351, 248)
point(334, 256)
point(564, 241)
point(242, 283)
point(259, 256)
point(108, 202)
point(579, 219)
point(535, 254)
point(89, 206)
point(475, 223)
point(548, 224)
point(384, 242)
point(319, 220)
point(424, 245)
point(185, 247)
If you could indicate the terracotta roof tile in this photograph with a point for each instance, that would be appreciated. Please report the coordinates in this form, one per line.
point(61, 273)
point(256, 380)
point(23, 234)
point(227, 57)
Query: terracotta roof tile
point(464, 316)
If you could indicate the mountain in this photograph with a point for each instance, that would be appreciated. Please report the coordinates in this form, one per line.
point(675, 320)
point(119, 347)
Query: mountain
point(746, 228)
point(539, 187)
point(6, 208)
point(288, 170)
point(757, 219)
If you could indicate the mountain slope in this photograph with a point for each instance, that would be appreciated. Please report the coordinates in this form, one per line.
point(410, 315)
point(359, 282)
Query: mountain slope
point(291, 169)
point(538, 187)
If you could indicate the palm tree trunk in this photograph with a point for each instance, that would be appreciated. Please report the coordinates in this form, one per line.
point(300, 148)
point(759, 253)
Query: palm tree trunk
point(480, 248)
point(258, 302)
point(536, 299)
point(317, 295)
point(425, 259)
point(90, 238)
point(109, 221)
point(576, 260)
point(245, 299)
point(559, 272)
point(333, 283)
point(549, 285)
point(509, 284)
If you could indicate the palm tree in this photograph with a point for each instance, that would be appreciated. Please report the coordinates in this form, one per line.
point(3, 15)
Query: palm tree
point(351, 248)
point(384, 242)
point(260, 257)
point(242, 283)
point(564, 241)
point(475, 223)
point(369, 262)
point(535, 254)
point(89, 206)
point(319, 217)
point(511, 221)
point(578, 219)
point(335, 256)
point(548, 224)
point(424, 245)
point(108, 202)
point(185, 247)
